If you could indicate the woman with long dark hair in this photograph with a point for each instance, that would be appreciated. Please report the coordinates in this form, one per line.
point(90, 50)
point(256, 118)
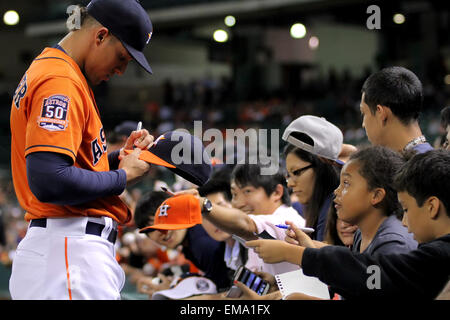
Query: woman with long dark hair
point(313, 181)
point(313, 168)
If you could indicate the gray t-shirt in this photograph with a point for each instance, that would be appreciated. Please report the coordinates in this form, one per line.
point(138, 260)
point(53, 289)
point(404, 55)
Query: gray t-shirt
point(391, 237)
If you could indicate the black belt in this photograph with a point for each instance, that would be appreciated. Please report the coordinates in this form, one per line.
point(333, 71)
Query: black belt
point(91, 228)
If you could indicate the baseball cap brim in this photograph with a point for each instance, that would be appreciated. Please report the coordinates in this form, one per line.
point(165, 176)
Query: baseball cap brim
point(305, 146)
point(149, 157)
point(139, 57)
point(162, 226)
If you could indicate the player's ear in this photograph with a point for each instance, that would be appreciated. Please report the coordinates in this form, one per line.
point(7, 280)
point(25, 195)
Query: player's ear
point(101, 35)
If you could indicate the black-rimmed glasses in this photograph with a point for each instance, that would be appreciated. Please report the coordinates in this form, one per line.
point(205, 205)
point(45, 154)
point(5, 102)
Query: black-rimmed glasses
point(297, 173)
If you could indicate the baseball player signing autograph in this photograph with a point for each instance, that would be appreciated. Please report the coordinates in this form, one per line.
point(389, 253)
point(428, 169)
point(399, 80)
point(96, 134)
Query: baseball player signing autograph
point(63, 176)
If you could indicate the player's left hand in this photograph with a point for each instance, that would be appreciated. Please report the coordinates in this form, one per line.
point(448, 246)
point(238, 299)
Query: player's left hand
point(133, 166)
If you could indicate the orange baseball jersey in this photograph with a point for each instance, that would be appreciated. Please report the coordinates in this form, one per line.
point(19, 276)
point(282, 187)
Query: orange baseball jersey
point(54, 110)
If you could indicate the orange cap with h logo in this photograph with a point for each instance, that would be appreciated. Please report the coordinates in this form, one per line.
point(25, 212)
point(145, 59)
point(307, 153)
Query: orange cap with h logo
point(178, 212)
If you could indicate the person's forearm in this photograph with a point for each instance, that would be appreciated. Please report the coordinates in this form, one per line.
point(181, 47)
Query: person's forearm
point(53, 179)
point(320, 244)
point(276, 295)
point(341, 269)
point(293, 253)
point(233, 221)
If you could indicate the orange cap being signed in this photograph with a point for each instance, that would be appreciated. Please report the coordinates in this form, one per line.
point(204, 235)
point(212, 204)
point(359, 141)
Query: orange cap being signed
point(178, 212)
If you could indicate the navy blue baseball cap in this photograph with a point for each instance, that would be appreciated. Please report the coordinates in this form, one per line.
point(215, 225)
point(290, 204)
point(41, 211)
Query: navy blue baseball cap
point(128, 21)
point(193, 163)
point(182, 153)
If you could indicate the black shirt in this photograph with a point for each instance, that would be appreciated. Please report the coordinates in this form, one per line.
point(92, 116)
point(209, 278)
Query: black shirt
point(207, 254)
point(418, 274)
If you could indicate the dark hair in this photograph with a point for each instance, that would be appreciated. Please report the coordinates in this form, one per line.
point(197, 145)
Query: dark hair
point(425, 175)
point(219, 182)
point(397, 88)
point(216, 186)
point(250, 174)
point(331, 234)
point(327, 180)
point(147, 206)
point(378, 166)
point(445, 117)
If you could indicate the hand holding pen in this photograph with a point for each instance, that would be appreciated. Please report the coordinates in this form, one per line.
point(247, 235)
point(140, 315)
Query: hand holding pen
point(298, 236)
point(304, 229)
point(140, 138)
point(135, 168)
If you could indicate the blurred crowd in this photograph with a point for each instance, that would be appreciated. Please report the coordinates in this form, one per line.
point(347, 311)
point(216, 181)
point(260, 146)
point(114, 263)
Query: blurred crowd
point(12, 224)
point(333, 95)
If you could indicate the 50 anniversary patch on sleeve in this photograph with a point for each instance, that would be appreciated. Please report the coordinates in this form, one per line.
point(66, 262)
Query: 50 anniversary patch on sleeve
point(54, 113)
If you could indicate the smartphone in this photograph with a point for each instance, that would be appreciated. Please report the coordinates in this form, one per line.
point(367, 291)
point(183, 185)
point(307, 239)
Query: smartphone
point(251, 280)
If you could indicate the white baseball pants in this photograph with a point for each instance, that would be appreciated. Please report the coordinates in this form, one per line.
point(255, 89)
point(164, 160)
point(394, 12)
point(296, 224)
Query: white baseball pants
point(61, 261)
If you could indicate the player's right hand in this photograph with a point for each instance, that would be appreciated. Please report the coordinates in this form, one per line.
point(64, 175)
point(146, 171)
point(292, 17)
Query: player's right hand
point(141, 139)
point(133, 166)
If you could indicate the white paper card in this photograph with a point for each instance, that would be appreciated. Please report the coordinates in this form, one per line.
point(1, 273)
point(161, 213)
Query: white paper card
point(296, 281)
